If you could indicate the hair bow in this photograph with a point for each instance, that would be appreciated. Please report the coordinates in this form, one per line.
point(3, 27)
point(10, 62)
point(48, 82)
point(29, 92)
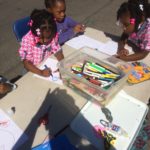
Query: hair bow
point(132, 21)
point(30, 23)
point(141, 7)
point(38, 32)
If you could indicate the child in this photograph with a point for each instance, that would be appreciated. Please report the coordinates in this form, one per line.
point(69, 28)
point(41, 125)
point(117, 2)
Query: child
point(40, 42)
point(135, 21)
point(66, 27)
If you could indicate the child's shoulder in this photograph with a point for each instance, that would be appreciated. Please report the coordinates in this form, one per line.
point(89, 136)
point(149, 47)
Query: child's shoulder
point(28, 37)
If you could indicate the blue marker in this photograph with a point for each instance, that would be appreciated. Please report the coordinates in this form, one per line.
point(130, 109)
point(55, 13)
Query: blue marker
point(46, 67)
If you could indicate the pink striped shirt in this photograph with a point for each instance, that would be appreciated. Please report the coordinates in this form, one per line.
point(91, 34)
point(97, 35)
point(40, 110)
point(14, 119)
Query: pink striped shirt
point(142, 38)
point(35, 53)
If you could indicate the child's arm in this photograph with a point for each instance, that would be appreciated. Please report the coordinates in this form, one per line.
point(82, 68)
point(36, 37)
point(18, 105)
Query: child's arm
point(121, 50)
point(134, 57)
point(73, 29)
point(30, 67)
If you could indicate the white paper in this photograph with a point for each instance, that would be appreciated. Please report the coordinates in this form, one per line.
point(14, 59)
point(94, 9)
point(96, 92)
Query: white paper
point(109, 47)
point(10, 133)
point(51, 63)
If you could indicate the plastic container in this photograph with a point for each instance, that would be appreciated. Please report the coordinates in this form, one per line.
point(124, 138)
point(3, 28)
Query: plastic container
point(87, 89)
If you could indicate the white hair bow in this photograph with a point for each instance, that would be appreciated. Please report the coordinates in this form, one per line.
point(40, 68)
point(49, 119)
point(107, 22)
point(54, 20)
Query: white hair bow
point(141, 7)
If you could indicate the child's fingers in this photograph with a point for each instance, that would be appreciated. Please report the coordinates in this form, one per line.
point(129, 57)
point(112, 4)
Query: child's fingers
point(46, 72)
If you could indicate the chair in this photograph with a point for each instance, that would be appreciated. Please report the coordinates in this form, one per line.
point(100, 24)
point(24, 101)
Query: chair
point(20, 28)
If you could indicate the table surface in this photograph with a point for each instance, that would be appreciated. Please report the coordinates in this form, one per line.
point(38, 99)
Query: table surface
point(33, 97)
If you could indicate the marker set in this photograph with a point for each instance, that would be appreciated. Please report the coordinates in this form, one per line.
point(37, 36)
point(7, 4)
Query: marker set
point(140, 73)
point(95, 73)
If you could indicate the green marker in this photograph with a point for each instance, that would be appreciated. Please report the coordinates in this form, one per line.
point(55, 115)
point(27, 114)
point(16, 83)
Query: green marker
point(97, 67)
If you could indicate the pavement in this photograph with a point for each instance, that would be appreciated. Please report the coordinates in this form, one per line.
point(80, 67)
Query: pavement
point(98, 14)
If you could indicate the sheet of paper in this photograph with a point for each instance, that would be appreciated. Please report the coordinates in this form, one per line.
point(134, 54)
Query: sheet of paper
point(11, 136)
point(109, 47)
point(82, 40)
point(52, 63)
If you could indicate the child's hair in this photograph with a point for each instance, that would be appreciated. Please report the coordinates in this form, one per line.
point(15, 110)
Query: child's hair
point(134, 11)
point(39, 18)
point(52, 3)
point(143, 5)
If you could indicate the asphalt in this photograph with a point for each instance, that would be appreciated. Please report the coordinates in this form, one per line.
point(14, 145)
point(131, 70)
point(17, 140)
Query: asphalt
point(98, 14)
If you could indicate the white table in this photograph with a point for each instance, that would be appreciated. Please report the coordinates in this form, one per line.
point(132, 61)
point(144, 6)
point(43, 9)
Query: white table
point(33, 97)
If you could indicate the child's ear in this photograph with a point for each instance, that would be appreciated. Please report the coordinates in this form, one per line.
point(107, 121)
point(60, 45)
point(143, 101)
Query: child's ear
point(49, 10)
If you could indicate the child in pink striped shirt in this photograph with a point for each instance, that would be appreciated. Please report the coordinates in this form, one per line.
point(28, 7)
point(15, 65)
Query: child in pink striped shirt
point(40, 42)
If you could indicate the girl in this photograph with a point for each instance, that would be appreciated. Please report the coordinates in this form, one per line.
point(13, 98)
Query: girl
point(40, 42)
point(135, 21)
point(66, 27)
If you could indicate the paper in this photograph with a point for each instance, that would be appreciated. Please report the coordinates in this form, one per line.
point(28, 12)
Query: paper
point(109, 47)
point(10, 133)
point(52, 63)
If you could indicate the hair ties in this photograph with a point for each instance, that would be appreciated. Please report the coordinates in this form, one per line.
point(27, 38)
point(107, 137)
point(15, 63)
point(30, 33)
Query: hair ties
point(132, 21)
point(30, 23)
point(38, 32)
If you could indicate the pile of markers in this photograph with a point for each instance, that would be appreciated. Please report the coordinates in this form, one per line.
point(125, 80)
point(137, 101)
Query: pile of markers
point(95, 73)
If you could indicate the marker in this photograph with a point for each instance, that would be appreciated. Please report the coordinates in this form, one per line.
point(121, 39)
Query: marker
point(46, 67)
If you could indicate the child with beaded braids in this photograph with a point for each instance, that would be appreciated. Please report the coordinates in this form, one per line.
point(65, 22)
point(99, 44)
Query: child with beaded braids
point(133, 16)
point(40, 42)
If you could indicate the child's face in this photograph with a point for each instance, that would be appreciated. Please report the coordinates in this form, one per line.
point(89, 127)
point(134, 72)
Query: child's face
point(58, 11)
point(126, 23)
point(45, 30)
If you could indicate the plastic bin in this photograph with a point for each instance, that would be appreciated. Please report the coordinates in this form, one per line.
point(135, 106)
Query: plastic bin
point(127, 112)
point(87, 89)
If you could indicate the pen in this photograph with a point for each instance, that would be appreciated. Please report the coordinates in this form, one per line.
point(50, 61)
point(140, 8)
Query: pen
point(46, 67)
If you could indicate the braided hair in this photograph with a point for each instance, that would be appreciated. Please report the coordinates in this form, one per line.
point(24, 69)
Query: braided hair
point(52, 3)
point(39, 18)
point(134, 11)
point(143, 5)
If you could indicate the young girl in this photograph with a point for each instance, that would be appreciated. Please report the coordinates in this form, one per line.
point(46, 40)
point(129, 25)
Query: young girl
point(135, 21)
point(40, 42)
point(66, 27)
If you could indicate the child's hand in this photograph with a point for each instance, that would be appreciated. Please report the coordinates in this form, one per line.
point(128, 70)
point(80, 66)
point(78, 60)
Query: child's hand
point(79, 28)
point(123, 52)
point(46, 72)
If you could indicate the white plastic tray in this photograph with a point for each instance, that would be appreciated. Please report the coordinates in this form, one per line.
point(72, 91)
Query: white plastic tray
point(127, 112)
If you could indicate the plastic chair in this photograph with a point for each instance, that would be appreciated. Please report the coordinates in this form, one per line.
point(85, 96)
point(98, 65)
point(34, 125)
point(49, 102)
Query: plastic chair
point(59, 143)
point(20, 28)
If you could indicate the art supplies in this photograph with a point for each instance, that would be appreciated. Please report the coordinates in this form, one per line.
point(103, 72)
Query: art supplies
point(95, 73)
point(113, 128)
point(93, 76)
point(140, 73)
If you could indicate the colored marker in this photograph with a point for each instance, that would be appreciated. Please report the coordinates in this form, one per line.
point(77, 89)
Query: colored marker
point(46, 67)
